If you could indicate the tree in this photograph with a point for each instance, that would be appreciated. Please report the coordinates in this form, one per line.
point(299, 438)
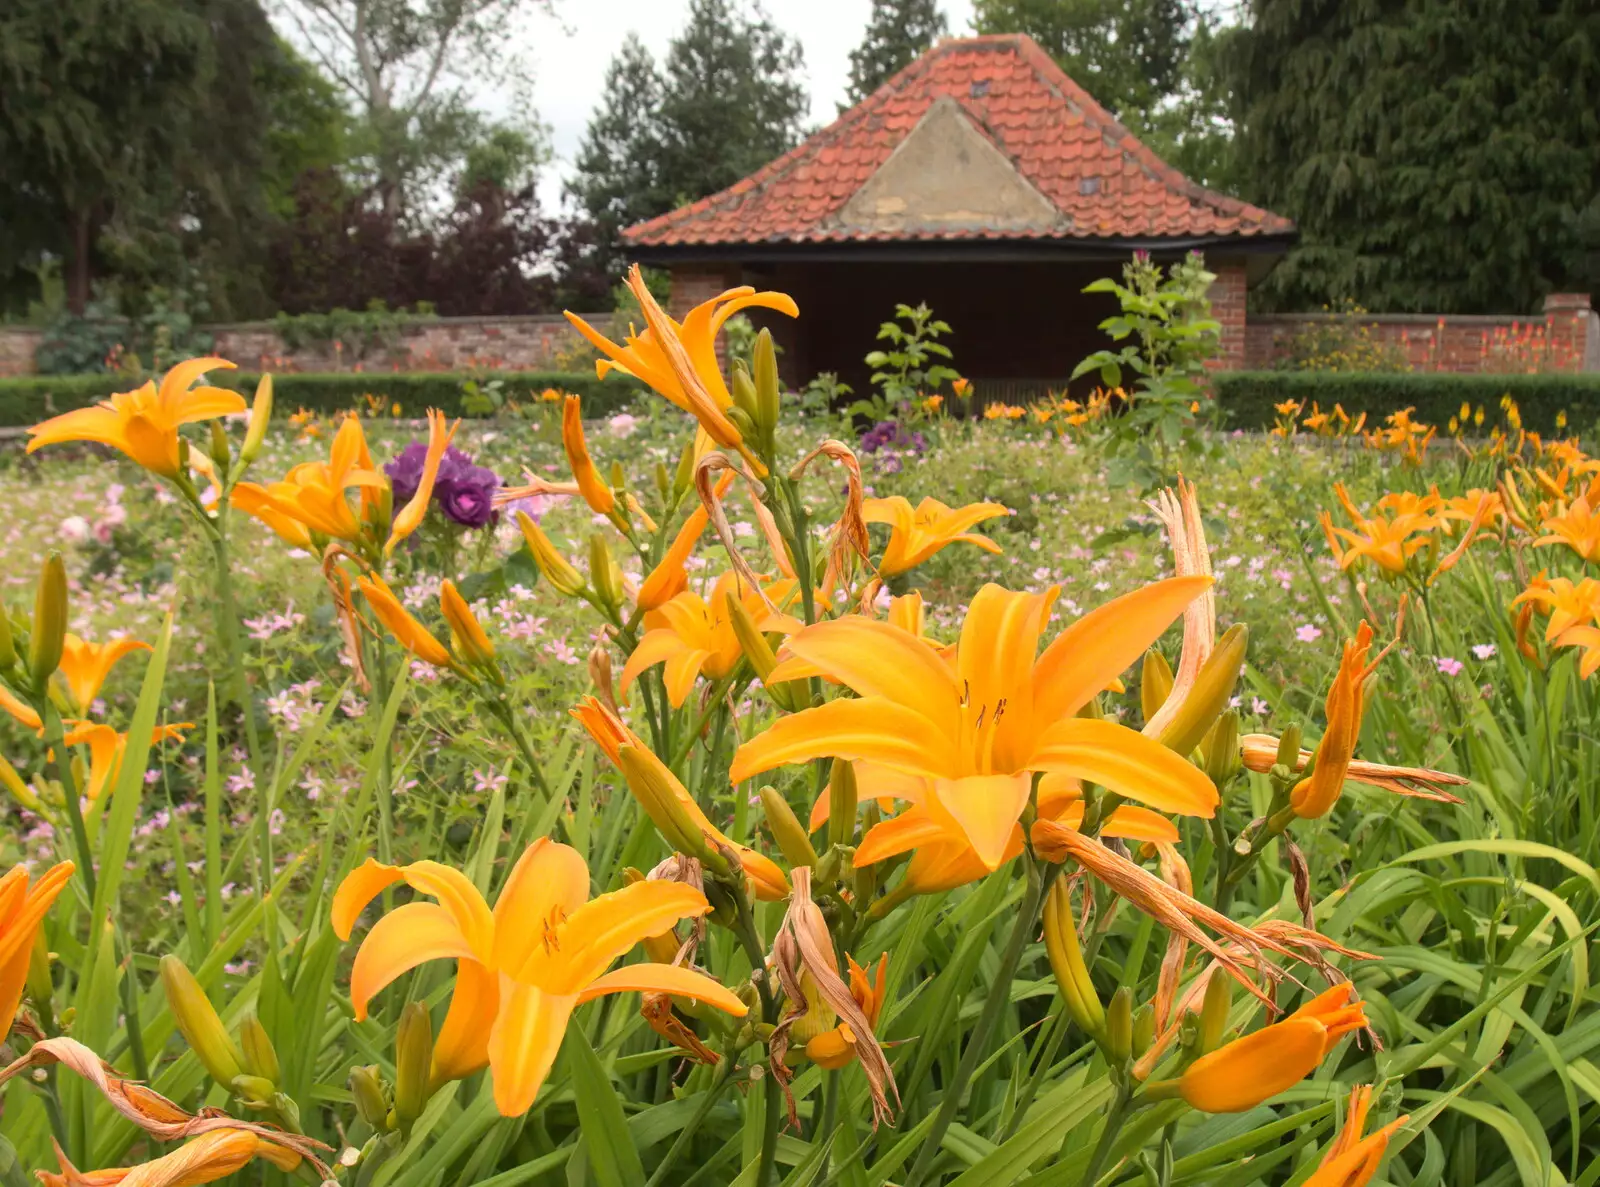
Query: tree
point(726, 100)
point(898, 32)
point(1437, 156)
point(1128, 54)
point(403, 64)
point(731, 99)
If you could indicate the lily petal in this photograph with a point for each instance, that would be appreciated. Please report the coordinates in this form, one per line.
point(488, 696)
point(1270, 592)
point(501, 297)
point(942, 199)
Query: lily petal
point(398, 943)
point(1126, 762)
point(665, 978)
point(523, 1043)
point(872, 728)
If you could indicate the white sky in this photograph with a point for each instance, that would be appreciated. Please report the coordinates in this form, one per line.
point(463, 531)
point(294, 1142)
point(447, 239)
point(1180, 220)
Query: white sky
point(568, 68)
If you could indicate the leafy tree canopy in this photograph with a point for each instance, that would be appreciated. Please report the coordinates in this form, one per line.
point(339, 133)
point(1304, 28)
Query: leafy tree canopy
point(898, 32)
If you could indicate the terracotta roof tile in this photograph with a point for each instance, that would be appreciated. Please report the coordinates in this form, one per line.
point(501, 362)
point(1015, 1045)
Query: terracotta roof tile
point(1054, 134)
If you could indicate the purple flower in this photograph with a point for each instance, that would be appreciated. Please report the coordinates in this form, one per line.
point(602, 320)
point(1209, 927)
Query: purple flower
point(463, 491)
point(405, 471)
point(891, 434)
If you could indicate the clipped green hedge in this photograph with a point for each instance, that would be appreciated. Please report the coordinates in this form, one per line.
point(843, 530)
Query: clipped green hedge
point(1247, 397)
point(30, 399)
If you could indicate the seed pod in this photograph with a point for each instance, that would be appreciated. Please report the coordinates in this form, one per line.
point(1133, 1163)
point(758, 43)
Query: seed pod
point(557, 571)
point(197, 1021)
point(1066, 961)
point(371, 1106)
point(841, 802)
point(1155, 683)
point(48, 635)
point(260, 1056)
point(1212, 690)
point(1119, 1026)
point(413, 1057)
point(787, 830)
point(260, 414)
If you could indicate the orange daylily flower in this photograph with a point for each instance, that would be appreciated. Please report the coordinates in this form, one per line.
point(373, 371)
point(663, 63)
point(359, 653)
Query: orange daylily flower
point(1578, 527)
point(85, 666)
point(204, 1159)
point(523, 967)
point(980, 730)
point(311, 500)
point(22, 911)
point(595, 490)
point(916, 534)
point(668, 803)
point(1352, 1160)
point(670, 577)
point(1242, 1074)
point(1316, 794)
point(143, 424)
point(695, 636)
point(107, 748)
point(680, 361)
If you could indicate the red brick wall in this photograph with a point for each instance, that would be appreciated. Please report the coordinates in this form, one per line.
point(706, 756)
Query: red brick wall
point(1463, 344)
point(1228, 307)
point(694, 283)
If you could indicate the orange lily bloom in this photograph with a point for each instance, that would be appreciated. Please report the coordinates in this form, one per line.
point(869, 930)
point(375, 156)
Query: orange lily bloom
point(85, 666)
point(22, 712)
point(143, 424)
point(1242, 1074)
point(680, 361)
point(1352, 1160)
point(1316, 794)
point(522, 968)
point(915, 535)
point(981, 729)
point(1578, 527)
point(668, 803)
point(311, 500)
point(411, 634)
point(670, 578)
point(22, 911)
point(693, 638)
point(594, 489)
point(107, 748)
point(213, 1155)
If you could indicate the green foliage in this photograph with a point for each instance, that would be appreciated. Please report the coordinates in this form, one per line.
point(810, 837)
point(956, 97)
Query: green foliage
point(1341, 342)
point(898, 32)
point(101, 340)
point(1246, 398)
point(1169, 333)
point(727, 98)
point(362, 334)
point(1436, 156)
point(910, 367)
point(28, 400)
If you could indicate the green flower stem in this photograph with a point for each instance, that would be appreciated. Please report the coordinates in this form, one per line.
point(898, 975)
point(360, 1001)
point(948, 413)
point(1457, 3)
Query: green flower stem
point(228, 627)
point(1115, 1116)
point(507, 717)
point(750, 940)
point(999, 997)
point(708, 1100)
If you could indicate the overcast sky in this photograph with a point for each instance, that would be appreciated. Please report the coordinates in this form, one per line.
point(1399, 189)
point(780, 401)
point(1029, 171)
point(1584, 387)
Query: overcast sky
point(568, 67)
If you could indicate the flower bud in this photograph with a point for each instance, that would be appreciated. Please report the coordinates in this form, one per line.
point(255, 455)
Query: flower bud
point(371, 1106)
point(786, 829)
point(191, 1010)
point(841, 802)
point(1144, 1028)
point(1221, 750)
point(683, 478)
point(467, 637)
point(1289, 747)
point(663, 482)
point(1214, 1011)
point(557, 571)
point(647, 779)
point(221, 452)
point(413, 1056)
point(1119, 1026)
point(604, 577)
point(18, 787)
point(8, 645)
point(764, 359)
point(260, 1057)
point(39, 984)
point(260, 415)
point(1155, 683)
point(600, 675)
point(788, 695)
point(742, 421)
point(48, 635)
point(1066, 961)
point(1211, 692)
point(744, 390)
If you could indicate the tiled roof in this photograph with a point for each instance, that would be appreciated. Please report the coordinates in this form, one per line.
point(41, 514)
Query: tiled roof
point(1105, 183)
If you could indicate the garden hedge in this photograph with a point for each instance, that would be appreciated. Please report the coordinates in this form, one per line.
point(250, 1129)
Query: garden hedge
point(30, 399)
point(1247, 397)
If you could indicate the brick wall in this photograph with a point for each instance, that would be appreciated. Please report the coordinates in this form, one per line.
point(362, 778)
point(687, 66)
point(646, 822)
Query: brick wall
point(1464, 344)
point(1228, 307)
point(516, 343)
